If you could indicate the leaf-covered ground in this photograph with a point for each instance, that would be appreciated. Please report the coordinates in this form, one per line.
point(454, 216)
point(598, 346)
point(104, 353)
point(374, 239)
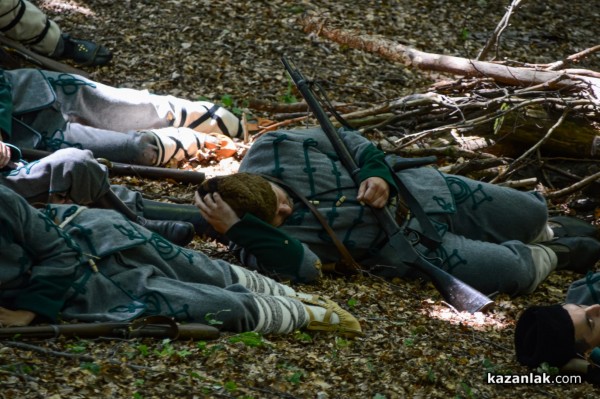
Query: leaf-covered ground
point(414, 346)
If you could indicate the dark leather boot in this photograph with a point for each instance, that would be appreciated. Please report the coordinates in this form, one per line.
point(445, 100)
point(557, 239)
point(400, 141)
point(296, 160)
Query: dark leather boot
point(567, 226)
point(180, 233)
point(156, 210)
point(578, 254)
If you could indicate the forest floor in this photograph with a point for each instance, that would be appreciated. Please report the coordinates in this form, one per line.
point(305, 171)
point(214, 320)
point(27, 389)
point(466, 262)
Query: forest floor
point(228, 52)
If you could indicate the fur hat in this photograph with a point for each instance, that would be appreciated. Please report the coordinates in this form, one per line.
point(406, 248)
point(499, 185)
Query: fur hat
point(244, 192)
point(545, 334)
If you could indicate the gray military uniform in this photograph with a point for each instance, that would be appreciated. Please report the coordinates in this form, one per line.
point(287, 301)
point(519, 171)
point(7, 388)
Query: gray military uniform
point(484, 227)
point(47, 269)
point(55, 110)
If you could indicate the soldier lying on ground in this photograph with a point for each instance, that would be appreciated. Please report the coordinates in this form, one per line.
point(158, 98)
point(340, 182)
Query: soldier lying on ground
point(24, 22)
point(95, 265)
point(564, 335)
point(496, 239)
point(51, 110)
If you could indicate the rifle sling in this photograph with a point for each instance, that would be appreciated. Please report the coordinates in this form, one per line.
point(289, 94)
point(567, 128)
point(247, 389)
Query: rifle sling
point(430, 237)
point(349, 265)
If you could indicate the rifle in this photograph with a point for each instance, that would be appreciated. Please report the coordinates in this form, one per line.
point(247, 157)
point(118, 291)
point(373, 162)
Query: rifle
point(457, 293)
point(152, 326)
point(123, 169)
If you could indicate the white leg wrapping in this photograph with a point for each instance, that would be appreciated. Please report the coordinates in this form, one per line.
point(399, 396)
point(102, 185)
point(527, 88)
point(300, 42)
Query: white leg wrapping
point(279, 314)
point(177, 143)
point(544, 261)
point(546, 235)
point(205, 117)
point(258, 283)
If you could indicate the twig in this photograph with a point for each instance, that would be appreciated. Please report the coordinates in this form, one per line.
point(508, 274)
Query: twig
point(494, 39)
point(575, 187)
point(276, 126)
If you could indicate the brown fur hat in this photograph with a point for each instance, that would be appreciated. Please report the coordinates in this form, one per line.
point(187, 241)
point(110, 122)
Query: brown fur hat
point(244, 192)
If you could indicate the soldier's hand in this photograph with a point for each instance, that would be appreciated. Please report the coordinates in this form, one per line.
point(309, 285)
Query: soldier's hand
point(15, 318)
point(374, 191)
point(216, 211)
point(4, 154)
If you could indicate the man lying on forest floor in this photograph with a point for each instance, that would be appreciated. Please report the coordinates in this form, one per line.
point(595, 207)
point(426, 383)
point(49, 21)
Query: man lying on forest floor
point(52, 110)
point(496, 239)
point(93, 264)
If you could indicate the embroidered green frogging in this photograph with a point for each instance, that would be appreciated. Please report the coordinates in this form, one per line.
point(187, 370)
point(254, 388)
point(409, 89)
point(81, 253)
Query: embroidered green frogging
point(278, 170)
point(69, 84)
point(150, 303)
point(463, 193)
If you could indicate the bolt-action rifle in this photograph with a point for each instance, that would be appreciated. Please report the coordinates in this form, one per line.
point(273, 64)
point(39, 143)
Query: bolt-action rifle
point(152, 326)
point(454, 291)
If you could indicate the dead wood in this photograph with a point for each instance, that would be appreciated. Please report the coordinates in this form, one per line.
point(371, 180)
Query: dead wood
point(410, 57)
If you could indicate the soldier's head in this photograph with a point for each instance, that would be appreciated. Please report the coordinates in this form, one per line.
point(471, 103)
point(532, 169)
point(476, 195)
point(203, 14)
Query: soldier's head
point(250, 193)
point(555, 334)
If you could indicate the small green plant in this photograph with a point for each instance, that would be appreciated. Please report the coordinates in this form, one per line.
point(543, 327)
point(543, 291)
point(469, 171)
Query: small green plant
point(78, 347)
point(230, 386)
point(303, 336)
point(466, 390)
point(288, 97)
point(464, 34)
point(341, 342)
point(143, 350)
point(137, 395)
point(431, 376)
point(499, 120)
point(296, 377)
point(91, 367)
point(211, 318)
point(228, 102)
point(352, 302)
point(248, 338)
point(408, 342)
point(379, 396)
point(167, 349)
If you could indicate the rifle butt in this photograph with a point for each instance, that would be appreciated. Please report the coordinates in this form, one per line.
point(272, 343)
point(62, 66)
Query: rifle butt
point(460, 295)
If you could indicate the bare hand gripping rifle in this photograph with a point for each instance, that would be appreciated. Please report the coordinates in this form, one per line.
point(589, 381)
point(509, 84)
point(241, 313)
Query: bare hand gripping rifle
point(151, 326)
point(457, 293)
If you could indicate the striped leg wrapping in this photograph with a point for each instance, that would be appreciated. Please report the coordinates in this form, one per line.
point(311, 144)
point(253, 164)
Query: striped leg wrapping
point(259, 283)
point(279, 314)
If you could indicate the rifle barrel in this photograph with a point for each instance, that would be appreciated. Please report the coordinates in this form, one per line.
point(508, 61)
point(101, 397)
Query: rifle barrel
point(124, 169)
point(193, 331)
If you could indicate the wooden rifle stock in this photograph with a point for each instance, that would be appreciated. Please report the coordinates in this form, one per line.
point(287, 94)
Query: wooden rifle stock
point(123, 169)
point(457, 293)
point(153, 326)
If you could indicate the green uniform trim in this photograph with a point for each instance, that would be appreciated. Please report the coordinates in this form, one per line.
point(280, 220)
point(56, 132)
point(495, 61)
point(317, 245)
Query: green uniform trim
point(272, 248)
point(372, 164)
point(45, 296)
